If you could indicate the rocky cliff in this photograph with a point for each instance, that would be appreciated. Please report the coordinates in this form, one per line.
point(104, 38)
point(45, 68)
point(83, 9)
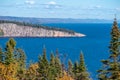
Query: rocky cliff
point(9, 29)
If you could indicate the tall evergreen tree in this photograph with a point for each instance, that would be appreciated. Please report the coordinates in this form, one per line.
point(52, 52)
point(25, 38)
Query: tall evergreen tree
point(75, 69)
point(82, 71)
point(58, 65)
point(52, 69)
point(82, 66)
point(43, 66)
point(70, 68)
point(79, 69)
point(9, 54)
point(111, 66)
point(21, 61)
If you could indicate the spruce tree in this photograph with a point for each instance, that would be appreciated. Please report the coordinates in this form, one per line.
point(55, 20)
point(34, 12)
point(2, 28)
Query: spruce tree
point(52, 69)
point(111, 66)
point(79, 69)
point(9, 54)
point(82, 71)
point(70, 68)
point(21, 60)
point(75, 69)
point(58, 65)
point(43, 66)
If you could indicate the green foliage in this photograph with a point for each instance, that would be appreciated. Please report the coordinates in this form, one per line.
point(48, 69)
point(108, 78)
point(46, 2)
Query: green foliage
point(75, 68)
point(80, 71)
point(12, 62)
point(111, 66)
point(13, 66)
point(9, 54)
point(43, 66)
point(21, 60)
point(82, 66)
point(83, 74)
point(52, 69)
point(58, 65)
point(70, 68)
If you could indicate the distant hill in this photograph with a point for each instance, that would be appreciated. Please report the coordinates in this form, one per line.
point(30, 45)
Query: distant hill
point(53, 20)
point(24, 29)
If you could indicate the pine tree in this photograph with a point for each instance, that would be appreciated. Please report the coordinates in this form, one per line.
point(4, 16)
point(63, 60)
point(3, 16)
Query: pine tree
point(8, 66)
point(82, 71)
point(70, 68)
point(43, 66)
point(79, 69)
point(52, 69)
point(75, 69)
point(21, 60)
point(111, 66)
point(9, 54)
point(58, 65)
point(82, 66)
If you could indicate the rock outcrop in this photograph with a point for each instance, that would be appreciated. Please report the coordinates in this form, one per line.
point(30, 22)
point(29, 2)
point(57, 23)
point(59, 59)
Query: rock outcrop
point(15, 30)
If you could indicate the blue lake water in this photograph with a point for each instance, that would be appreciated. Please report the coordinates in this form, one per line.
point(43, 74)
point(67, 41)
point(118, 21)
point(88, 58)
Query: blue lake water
point(94, 45)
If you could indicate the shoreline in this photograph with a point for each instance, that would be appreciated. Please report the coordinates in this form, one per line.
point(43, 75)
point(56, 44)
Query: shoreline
point(14, 30)
point(41, 37)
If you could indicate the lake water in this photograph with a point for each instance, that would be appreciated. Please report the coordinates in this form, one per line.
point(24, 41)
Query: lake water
point(94, 45)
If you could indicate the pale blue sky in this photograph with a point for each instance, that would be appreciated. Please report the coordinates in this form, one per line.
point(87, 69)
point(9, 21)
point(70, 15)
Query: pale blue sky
point(80, 9)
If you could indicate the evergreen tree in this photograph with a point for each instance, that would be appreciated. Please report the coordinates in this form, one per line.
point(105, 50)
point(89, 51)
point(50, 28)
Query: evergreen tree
point(52, 69)
point(111, 66)
point(75, 69)
point(82, 66)
point(43, 66)
point(21, 60)
point(9, 54)
point(82, 71)
point(58, 65)
point(70, 68)
point(52, 60)
point(8, 66)
point(79, 69)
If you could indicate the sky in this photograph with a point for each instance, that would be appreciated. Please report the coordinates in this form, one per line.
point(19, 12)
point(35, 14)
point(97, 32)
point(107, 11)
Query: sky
point(78, 9)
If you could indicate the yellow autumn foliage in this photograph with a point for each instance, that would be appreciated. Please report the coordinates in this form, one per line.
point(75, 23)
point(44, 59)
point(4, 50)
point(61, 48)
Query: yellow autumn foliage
point(32, 72)
point(8, 72)
point(33, 68)
point(66, 77)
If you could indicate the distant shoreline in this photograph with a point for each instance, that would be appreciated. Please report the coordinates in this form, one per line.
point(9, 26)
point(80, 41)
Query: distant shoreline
point(39, 37)
point(18, 29)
